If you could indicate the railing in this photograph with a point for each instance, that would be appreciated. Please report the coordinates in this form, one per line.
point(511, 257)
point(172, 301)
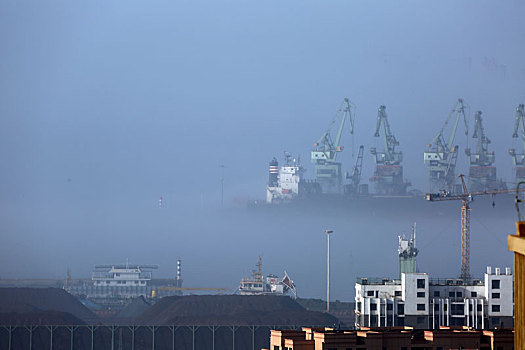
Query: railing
point(138, 337)
point(454, 282)
point(377, 280)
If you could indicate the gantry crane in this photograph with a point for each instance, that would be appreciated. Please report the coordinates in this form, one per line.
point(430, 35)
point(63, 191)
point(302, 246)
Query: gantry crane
point(442, 154)
point(466, 197)
point(355, 178)
point(519, 130)
point(389, 171)
point(482, 173)
point(324, 155)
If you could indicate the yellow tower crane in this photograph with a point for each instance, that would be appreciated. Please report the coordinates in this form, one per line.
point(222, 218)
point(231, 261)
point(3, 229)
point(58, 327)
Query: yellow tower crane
point(466, 197)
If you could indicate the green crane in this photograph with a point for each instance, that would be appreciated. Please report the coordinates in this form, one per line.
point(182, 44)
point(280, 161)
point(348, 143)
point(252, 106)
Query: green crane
point(442, 155)
point(519, 131)
point(324, 155)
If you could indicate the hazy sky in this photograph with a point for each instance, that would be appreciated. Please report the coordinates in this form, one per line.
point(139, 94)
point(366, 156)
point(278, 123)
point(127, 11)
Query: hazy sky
point(107, 105)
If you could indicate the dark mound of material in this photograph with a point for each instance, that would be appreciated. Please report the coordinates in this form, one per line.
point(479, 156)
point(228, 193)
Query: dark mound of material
point(137, 307)
point(232, 310)
point(36, 303)
point(35, 318)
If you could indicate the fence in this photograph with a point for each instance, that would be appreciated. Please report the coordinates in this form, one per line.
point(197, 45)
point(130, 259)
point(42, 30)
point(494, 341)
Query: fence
point(137, 337)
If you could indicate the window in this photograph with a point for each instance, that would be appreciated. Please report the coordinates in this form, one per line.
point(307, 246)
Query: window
point(389, 307)
point(480, 307)
point(458, 309)
point(400, 309)
point(373, 320)
point(474, 294)
point(495, 308)
point(420, 294)
point(451, 294)
point(459, 294)
point(420, 283)
point(436, 293)
point(420, 307)
point(436, 307)
point(373, 306)
point(397, 293)
point(495, 295)
point(495, 284)
point(275, 347)
point(370, 293)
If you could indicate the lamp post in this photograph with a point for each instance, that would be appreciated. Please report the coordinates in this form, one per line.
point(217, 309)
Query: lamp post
point(328, 269)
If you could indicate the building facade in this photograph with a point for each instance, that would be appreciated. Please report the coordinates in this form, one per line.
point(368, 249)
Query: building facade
point(418, 301)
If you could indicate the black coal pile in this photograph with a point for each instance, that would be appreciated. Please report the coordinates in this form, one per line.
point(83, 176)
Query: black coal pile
point(133, 310)
point(41, 306)
point(232, 310)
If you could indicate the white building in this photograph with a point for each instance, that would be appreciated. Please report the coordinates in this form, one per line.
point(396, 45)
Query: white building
point(421, 302)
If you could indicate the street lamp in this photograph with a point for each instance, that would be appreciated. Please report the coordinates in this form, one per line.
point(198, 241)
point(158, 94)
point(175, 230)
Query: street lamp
point(328, 269)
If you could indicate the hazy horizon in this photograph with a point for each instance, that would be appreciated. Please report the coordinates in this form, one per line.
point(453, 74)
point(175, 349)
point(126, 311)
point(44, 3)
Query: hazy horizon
point(105, 107)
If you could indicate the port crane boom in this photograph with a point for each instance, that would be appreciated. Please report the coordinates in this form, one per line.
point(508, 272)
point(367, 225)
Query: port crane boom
point(466, 198)
point(442, 154)
point(325, 143)
point(519, 131)
point(482, 173)
point(388, 174)
point(389, 156)
point(355, 177)
point(326, 148)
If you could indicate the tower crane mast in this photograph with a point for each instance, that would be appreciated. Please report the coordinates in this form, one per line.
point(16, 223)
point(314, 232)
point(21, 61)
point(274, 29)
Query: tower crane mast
point(324, 155)
point(466, 198)
point(441, 156)
point(519, 131)
point(482, 173)
point(388, 175)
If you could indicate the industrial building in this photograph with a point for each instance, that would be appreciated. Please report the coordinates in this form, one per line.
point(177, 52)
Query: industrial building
point(115, 285)
point(400, 338)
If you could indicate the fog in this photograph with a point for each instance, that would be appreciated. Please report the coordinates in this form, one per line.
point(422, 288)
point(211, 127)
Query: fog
point(107, 106)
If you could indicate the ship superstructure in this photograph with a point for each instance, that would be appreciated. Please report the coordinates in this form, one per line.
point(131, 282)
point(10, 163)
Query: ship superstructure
point(287, 183)
point(272, 285)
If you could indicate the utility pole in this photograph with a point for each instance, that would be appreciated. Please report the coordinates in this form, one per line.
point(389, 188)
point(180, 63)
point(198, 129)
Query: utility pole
point(222, 184)
point(328, 269)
